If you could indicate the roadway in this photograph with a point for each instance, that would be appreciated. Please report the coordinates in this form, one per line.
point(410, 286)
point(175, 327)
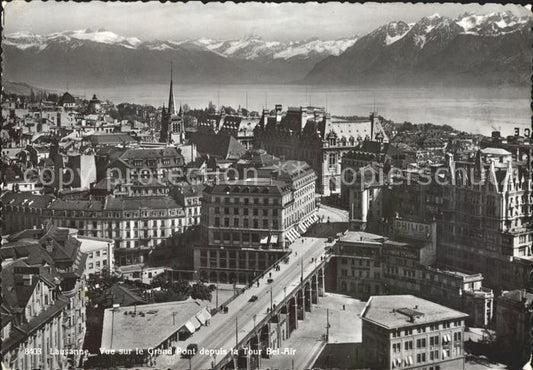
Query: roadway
point(220, 335)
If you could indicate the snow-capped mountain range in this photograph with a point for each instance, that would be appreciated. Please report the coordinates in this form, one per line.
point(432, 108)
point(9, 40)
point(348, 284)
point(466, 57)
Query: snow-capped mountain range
point(499, 41)
point(249, 48)
point(491, 48)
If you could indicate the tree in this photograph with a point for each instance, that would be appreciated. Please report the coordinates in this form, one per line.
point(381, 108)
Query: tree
point(201, 291)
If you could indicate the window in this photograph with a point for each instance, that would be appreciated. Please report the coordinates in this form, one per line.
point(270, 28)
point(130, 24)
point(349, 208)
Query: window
point(421, 343)
point(408, 345)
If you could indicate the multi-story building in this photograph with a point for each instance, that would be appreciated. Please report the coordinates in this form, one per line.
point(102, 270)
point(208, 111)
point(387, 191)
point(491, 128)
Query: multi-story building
point(404, 331)
point(100, 255)
point(43, 308)
point(23, 211)
point(310, 134)
point(99, 251)
point(248, 224)
point(486, 223)
point(368, 264)
point(482, 208)
point(514, 310)
point(137, 225)
point(144, 165)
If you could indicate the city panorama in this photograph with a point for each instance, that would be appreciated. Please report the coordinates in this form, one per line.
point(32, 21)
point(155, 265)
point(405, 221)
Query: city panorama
point(256, 186)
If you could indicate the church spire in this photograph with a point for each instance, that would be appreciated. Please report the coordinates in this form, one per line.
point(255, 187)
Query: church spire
point(171, 105)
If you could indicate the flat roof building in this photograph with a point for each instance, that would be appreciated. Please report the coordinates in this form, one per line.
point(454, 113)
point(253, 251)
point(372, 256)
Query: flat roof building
point(154, 326)
point(404, 331)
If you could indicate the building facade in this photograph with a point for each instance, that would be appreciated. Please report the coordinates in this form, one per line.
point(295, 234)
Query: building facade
point(368, 264)
point(513, 324)
point(248, 224)
point(404, 331)
point(310, 134)
point(43, 307)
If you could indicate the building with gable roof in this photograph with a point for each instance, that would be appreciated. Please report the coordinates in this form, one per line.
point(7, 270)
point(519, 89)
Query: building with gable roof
point(43, 307)
point(310, 134)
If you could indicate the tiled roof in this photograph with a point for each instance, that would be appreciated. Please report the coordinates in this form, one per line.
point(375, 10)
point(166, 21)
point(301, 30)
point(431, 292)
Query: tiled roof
point(77, 205)
point(110, 139)
point(221, 145)
point(150, 153)
point(27, 199)
point(145, 202)
point(257, 186)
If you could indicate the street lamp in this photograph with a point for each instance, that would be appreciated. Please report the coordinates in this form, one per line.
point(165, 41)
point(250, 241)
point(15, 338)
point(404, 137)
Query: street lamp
point(285, 291)
point(217, 297)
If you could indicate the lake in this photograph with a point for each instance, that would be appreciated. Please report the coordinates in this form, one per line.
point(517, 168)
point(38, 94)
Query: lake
point(477, 109)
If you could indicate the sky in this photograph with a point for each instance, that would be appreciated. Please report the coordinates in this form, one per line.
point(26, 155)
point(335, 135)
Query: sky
point(179, 21)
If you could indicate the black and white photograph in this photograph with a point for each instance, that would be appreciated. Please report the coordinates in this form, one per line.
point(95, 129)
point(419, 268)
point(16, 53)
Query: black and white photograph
point(266, 186)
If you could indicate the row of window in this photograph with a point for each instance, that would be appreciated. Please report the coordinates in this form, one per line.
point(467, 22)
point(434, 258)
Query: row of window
point(265, 224)
point(246, 211)
point(422, 329)
point(245, 200)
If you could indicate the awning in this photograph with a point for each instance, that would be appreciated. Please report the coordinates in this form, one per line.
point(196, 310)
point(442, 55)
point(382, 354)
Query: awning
point(289, 238)
point(294, 234)
point(189, 326)
point(443, 354)
point(274, 239)
point(410, 360)
point(206, 313)
point(200, 317)
point(196, 323)
point(264, 240)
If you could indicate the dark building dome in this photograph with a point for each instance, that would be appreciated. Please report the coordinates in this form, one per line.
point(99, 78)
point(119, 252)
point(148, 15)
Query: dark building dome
point(94, 105)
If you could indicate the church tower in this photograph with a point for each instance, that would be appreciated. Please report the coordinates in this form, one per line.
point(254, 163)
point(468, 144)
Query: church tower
point(172, 127)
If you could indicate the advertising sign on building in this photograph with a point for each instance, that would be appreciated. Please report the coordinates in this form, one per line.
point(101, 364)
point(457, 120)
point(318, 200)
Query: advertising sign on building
point(414, 230)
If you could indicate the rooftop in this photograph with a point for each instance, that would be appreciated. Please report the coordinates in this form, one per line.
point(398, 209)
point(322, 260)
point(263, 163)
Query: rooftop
point(89, 244)
point(360, 236)
point(149, 326)
point(398, 311)
point(495, 151)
